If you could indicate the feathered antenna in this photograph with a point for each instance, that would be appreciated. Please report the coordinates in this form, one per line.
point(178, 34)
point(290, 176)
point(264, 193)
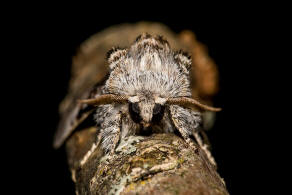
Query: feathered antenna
point(105, 99)
point(185, 101)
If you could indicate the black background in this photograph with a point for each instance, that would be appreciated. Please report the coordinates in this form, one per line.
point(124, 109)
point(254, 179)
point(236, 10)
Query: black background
point(49, 39)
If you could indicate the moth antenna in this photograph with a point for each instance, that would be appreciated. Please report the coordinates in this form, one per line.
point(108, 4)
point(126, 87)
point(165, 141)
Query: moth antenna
point(185, 101)
point(105, 99)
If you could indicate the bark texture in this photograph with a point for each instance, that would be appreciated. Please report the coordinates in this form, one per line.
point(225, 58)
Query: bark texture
point(156, 164)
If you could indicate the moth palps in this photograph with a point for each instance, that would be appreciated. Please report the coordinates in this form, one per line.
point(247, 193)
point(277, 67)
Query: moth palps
point(147, 91)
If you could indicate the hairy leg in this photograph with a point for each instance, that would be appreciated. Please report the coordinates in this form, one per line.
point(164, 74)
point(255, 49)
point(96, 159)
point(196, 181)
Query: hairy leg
point(186, 121)
point(204, 147)
point(110, 133)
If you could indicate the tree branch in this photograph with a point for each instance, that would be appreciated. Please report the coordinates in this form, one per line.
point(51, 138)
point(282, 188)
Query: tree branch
point(158, 164)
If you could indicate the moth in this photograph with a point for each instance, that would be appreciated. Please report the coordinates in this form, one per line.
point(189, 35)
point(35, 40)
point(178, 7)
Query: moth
point(147, 91)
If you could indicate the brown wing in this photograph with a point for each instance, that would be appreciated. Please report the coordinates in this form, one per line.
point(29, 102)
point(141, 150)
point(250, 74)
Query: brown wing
point(75, 115)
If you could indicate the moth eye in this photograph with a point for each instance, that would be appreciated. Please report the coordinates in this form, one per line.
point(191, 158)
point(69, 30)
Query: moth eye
point(135, 108)
point(134, 112)
point(156, 109)
point(158, 112)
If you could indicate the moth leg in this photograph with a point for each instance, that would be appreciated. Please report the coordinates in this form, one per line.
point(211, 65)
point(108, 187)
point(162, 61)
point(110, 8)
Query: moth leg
point(205, 138)
point(188, 123)
point(90, 151)
point(116, 139)
point(185, 121)
point(110, 133)
point(204, 147)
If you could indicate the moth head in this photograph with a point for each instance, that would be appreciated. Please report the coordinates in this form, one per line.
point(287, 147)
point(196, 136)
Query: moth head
point(146, 110)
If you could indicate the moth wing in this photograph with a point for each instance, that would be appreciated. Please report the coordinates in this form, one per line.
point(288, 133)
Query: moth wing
point(74, 116)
